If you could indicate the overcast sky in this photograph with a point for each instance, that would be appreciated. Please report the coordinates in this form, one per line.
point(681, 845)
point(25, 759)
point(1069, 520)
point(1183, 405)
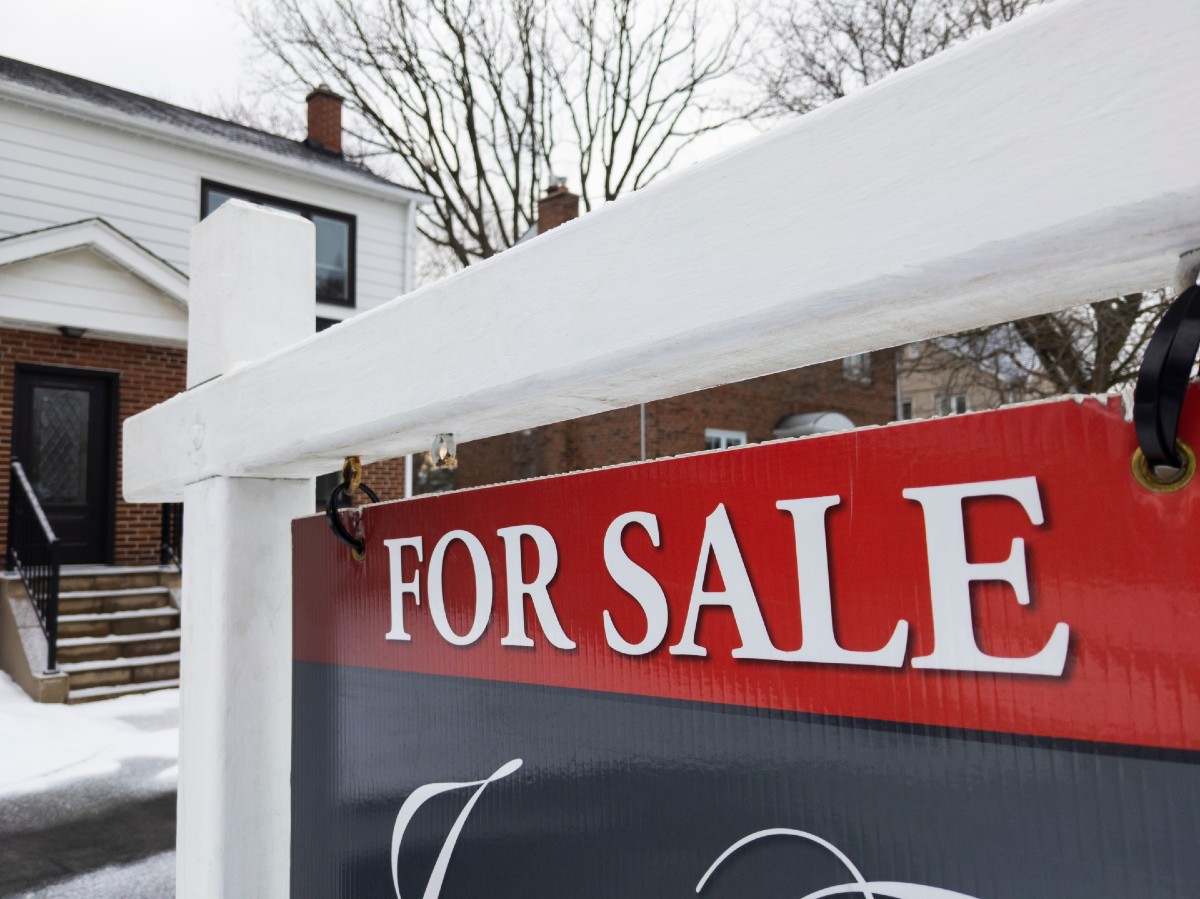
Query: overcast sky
point(189, 52)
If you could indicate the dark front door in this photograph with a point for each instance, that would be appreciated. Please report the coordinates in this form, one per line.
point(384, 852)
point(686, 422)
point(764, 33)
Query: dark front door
point(64, 429)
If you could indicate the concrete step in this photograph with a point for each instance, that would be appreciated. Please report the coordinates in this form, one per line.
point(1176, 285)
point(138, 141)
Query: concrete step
point(112, 672)
point(133, 621)
point(80, 602)
point(112, 646)
point(74, 578)
point(91, 694)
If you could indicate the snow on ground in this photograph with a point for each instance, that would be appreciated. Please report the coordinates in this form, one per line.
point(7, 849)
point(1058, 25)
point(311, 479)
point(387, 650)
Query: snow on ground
point(44, 745)
point(87, 796)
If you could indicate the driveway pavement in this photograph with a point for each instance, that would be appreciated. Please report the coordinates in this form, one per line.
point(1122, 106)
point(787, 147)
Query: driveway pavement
point(87, 797)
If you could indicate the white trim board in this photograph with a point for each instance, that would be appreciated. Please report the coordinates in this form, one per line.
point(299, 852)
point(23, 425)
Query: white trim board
point(1036, 167)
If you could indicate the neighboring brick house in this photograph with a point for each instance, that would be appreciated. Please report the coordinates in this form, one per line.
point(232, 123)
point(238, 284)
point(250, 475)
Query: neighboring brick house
point(99, 189)
point(860, 388)
point(934, 381)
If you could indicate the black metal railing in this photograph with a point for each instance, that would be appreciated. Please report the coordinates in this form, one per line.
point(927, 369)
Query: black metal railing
point(33, 554)
point(171, 547)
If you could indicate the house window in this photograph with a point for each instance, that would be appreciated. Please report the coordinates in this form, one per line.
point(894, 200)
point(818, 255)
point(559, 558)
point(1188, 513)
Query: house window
point(952, 404)
point(905, 410)
point(715, 438)
point(335, 238)
point(857, 368)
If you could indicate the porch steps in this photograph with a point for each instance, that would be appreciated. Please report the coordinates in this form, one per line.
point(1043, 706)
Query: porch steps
point(75, 602)
point(112, 646)
point(134, 621)
point(113, 672)
point(118, 633)
point(91, 694)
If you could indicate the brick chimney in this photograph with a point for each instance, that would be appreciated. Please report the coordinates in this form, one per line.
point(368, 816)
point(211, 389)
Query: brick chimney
point(325, 119)
point(558, 206)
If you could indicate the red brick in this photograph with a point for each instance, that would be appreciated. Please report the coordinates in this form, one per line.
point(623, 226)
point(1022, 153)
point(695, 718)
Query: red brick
point(676, 426)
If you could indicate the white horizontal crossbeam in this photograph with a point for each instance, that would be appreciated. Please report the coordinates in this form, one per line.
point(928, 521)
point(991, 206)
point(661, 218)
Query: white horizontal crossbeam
point(1044, 164)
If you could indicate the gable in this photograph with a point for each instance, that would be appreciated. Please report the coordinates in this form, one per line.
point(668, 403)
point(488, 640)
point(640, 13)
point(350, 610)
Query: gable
point(83, 287)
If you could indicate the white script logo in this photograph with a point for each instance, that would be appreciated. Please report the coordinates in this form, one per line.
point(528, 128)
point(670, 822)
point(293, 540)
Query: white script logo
point(421, 795)
point(875, 889)
point(881, 889)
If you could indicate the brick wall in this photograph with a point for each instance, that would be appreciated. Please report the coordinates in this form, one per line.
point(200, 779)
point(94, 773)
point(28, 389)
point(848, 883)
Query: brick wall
point(386, 478)
point(148, 375)
point(675, 426)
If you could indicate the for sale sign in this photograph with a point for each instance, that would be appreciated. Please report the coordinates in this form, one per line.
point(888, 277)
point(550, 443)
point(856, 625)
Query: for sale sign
point(957, 658)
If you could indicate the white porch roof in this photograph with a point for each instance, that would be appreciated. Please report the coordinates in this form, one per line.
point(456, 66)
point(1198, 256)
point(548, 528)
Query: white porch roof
point(89, 275)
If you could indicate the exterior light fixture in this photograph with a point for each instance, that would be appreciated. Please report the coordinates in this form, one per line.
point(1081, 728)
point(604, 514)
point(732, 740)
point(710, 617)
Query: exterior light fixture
point(442, 452)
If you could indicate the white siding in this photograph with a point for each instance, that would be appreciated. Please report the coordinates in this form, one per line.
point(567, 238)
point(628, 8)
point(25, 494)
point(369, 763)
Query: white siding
point(82, 289)
point(56, 169)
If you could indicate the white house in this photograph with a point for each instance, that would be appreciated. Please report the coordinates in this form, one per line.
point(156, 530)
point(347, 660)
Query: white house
point(99, 189)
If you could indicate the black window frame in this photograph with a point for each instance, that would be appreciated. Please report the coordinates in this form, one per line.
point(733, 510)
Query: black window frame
point(304, 210)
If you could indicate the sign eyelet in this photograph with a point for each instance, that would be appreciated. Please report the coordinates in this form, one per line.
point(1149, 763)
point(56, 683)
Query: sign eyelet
point(1155, 481)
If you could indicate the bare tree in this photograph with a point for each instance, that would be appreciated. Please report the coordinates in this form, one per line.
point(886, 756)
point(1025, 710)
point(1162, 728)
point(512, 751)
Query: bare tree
point(636, 85)
point(467, 99)
point(453, 93)
point(1091, 348)
point(825, 49)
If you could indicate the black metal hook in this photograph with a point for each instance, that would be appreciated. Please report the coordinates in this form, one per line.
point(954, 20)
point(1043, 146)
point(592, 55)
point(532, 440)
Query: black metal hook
point(1163, 380)
point(341, 491)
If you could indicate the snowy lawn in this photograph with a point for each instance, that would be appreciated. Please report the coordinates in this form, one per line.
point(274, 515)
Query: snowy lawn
point(87, 796)
point(44, 745)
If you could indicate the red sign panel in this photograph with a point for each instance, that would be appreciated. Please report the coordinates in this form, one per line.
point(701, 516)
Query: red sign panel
point(1000, 572)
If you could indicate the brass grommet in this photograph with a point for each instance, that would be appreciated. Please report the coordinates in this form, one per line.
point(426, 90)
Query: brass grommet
point(1151, 481)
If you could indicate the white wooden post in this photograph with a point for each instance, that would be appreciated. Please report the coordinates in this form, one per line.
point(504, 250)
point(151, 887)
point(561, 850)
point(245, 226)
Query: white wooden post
point(253, 279)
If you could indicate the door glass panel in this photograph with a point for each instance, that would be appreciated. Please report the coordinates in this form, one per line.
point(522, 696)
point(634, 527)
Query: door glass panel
point(60, 445)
